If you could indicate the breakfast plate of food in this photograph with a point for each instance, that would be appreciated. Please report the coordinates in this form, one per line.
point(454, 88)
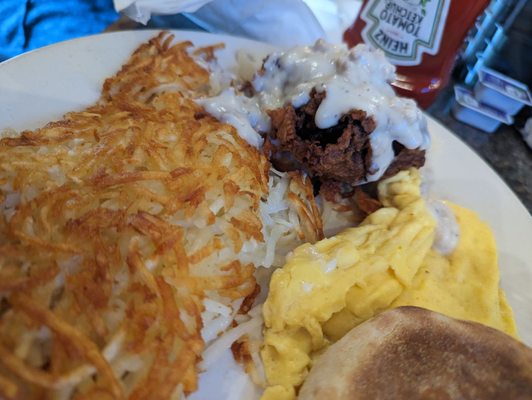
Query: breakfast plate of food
point(188, 215)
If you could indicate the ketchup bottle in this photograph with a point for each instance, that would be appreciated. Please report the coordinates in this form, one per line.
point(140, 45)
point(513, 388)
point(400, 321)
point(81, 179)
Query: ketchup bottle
point(421, 37)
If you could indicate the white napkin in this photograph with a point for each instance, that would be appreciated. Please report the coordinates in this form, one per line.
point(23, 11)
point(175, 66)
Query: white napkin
point(280, 22)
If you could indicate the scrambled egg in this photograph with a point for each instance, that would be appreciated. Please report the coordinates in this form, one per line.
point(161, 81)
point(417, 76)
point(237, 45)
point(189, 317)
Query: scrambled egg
point(326, 289)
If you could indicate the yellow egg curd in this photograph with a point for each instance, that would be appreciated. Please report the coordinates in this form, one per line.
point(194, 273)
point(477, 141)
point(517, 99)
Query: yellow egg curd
point(326, 289)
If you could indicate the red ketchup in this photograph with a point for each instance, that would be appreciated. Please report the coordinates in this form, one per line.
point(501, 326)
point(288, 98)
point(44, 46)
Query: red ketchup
point(421, 37)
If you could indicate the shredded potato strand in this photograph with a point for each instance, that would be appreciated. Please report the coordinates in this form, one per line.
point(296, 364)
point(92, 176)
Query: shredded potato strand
point(117, 221)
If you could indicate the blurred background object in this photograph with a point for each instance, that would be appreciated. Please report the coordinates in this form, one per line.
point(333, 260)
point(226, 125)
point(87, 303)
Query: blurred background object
point(29, 24)
point(279, 22)
point(497, 59)
point(422, 38)
point(500, 40)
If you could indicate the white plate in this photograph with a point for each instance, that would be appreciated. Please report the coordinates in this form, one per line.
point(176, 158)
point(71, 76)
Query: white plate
point(42, 85)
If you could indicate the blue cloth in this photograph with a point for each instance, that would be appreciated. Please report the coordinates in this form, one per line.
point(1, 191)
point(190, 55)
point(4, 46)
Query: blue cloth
point(29, 24)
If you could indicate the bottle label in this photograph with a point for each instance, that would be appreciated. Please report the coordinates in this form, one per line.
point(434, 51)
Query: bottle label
point(405, 29)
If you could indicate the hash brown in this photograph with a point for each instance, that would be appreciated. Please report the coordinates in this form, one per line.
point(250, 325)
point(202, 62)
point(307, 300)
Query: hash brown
point(117, 222)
